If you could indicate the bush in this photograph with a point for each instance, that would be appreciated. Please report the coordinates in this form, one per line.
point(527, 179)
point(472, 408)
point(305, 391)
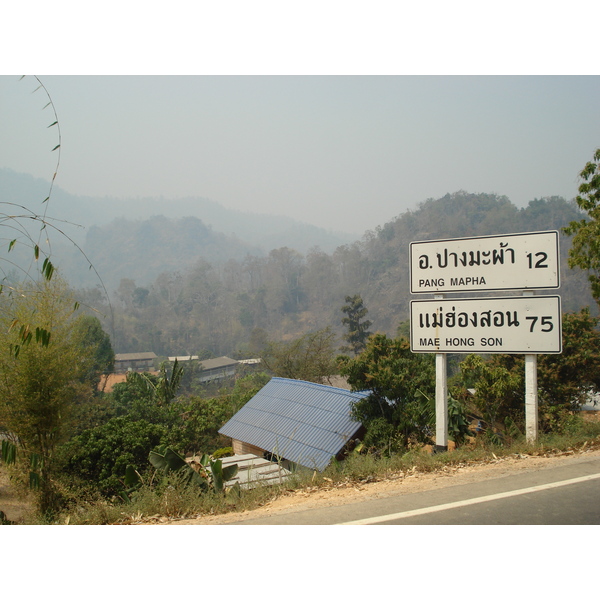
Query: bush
point(101, 455)
point(223, 452)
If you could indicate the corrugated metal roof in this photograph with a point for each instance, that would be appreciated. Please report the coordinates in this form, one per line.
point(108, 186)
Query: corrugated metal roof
point(306, 423)
point(215, 363)
point(136, 356)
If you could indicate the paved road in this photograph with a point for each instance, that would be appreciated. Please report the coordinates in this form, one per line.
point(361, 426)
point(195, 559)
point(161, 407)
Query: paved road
point(562, 495)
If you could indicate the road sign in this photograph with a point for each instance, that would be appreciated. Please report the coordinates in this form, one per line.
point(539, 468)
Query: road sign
point(516, 325)
point(490, 263)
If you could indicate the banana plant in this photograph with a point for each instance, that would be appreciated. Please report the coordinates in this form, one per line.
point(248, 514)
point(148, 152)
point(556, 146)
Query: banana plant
point(201, 471)
point(133, 482)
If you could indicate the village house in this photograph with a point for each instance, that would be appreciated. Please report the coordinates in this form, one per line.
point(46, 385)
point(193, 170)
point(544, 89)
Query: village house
point(296, 422)
point(135, 361)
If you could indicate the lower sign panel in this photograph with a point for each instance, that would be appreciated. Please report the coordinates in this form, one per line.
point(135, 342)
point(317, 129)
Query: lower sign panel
point(518, 325)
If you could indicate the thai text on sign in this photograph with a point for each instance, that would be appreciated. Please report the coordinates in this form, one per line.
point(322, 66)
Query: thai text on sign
point(501, 262)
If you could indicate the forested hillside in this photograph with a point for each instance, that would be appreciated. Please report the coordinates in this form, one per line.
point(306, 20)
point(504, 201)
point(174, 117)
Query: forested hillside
point(231, 307)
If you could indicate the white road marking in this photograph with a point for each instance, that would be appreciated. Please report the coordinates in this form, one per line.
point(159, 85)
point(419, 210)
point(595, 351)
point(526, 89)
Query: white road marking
point(440, 507)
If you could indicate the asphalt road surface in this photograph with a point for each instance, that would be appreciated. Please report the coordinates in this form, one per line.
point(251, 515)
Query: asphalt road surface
point(562, 495)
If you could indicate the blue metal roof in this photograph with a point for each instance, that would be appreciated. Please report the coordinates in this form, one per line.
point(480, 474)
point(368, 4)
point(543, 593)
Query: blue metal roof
point(306, 423)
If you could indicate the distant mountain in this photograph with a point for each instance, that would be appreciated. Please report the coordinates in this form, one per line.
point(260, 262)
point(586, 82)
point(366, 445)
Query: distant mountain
point(266, 231)
point(139, 238)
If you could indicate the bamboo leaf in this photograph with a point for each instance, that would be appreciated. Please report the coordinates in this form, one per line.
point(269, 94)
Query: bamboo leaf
point(52, 124)
point(55, 147)
point(36, 251)
point(34, 481)
point(42, 336)
point(47, 269)
point(11, 245)
point(9, 452)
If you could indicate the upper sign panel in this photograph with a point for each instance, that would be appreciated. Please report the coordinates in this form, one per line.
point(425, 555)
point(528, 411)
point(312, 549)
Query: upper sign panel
point(490, 263)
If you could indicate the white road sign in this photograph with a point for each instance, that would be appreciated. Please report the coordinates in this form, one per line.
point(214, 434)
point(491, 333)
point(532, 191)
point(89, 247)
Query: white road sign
point(490, 263)
point(516, 325)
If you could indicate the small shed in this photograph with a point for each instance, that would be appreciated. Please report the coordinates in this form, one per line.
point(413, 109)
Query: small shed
point(303, 423)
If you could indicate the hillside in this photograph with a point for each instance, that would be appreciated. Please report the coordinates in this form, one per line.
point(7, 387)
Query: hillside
point(232, 308)
point(178, 285)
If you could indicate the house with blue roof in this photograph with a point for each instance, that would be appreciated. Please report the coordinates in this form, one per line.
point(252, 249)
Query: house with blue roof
point(300, 422)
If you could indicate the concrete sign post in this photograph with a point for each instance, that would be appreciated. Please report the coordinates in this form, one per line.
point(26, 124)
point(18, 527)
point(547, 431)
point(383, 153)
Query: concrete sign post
point(527, 324)
point(441, 399)
point(531, 393)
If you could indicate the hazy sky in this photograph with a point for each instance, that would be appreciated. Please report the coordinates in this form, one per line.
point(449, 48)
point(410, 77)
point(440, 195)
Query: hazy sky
point(347, 153)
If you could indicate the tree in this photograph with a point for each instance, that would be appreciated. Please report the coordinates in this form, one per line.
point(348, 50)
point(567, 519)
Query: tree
point(162, 388)
point(358, 331)
point(89, 335)
point(401, 383)
point(43, 388)
point(565, 381)
point(585, 251)
point(310, 357)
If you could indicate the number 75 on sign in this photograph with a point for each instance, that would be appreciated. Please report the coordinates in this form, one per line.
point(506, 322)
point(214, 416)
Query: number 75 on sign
point(516, 325)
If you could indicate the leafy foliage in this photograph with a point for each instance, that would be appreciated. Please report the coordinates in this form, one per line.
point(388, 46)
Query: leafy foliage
point(396, 412)
point(44, 388)
point(585, 252)
point(499, 390)
point(162, 388)
point(100, 456)
point(90, 336)
point(564, 380)
point(311, 357)
point(200, 470)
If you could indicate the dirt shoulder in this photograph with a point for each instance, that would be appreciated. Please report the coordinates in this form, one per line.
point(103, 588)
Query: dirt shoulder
point(402, 483)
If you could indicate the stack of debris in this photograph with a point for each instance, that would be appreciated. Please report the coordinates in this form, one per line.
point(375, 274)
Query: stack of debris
point(254, 470)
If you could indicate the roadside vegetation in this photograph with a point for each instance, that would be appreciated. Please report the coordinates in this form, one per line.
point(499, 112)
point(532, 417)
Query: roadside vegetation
point(118, 457)
point(172, 498)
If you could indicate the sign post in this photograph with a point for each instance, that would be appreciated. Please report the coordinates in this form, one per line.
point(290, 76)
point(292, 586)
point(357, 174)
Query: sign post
point(531, 395)
point(441, 399)
point(527, 324)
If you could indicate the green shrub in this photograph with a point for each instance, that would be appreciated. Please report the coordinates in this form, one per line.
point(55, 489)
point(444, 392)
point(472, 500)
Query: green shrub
point(223, 452)
point(101, 455)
